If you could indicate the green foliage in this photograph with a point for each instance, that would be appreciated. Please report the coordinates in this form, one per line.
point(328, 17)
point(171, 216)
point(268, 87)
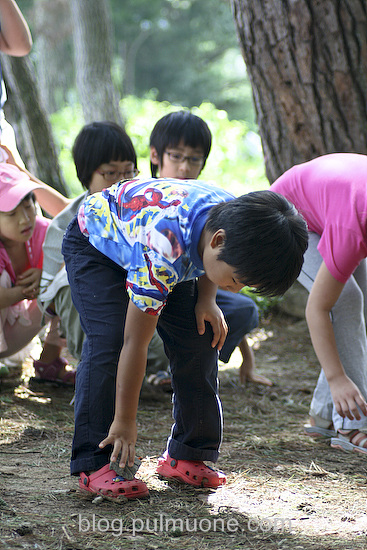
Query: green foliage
point(264, 303)
point(66, 124)
point(235, 162)
point(185, 50)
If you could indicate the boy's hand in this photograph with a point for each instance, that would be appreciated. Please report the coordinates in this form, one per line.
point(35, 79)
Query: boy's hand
point(346, 397)
point(30, 281)
point(122, 435)
point(209, 311)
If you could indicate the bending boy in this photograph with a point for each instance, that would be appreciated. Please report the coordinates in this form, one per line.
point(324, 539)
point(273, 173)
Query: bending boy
point(133, 254)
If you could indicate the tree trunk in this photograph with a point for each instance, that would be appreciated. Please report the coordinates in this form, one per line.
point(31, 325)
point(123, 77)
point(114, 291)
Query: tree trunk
point(52, 29)
point(307, 62)
point(92, 47)
point(30, 122)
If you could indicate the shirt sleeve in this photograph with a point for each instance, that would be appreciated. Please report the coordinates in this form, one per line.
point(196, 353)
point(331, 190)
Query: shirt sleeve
point(342, 250)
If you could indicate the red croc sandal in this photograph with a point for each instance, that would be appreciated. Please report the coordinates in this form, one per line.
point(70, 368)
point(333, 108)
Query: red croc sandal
point(107, 483)
point(54, 372)
point(192, 472)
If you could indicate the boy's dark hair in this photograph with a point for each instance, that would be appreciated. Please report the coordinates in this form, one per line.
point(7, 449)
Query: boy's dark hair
point(266, 239)
point(177, 126)
point(98, 143)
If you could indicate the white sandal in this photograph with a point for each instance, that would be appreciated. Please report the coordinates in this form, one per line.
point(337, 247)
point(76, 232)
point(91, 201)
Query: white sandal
point(321, 428)
point(344, 440)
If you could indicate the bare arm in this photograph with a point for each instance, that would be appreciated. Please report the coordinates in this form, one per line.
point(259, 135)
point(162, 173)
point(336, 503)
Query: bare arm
point(323, 296)
point(15, 36)
point(206, 309)
point(139, 329)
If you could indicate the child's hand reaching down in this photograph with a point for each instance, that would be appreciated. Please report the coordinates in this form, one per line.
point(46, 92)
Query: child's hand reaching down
point(209, 311)
point(122, 435)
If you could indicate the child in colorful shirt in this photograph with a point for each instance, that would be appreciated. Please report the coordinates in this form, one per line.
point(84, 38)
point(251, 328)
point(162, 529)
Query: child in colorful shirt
point(133, 255)
point(180, 144)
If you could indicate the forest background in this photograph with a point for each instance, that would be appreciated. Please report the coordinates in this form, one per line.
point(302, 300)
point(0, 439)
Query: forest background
point(165, 55)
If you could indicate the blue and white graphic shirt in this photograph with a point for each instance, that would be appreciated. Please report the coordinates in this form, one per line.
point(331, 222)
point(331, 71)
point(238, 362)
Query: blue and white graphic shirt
point(152, 229)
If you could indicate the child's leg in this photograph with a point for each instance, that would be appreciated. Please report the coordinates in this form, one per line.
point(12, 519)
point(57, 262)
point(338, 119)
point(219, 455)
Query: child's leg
point(241, 314)
point(322, 402)
point(98, 292)
point(19, 334)
point(351, 339)
point(348, 318)
point(69, 321)
point(197, 431)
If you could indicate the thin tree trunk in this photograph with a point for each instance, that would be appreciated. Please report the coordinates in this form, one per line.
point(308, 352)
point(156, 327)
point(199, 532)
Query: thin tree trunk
point(30, 122)
point(93, 58)
point(307, 62)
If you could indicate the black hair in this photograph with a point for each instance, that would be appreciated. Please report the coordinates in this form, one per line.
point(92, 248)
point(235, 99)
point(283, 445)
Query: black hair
point(265, 241)
point(177, 126)
point(30, 196)
point(98, 143)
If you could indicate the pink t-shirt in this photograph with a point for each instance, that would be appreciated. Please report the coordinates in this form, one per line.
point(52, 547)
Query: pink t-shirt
point(331, 193)
point(33, 246)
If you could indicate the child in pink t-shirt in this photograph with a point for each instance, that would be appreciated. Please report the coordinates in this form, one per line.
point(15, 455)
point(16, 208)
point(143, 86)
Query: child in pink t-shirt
point(331, 193)
point(22, 233)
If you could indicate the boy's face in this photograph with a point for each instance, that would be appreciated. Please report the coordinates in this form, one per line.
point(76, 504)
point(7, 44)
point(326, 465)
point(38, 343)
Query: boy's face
point(217, 271)
point(181, 161)
point(109, 173)
point(18, 224)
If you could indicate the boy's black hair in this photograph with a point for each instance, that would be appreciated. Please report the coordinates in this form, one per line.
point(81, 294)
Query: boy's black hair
point(98, 143)
point(266, 239)
point(179, 126)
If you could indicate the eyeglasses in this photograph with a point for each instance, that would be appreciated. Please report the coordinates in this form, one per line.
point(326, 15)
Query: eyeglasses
point(179, 157)
point(112, 176)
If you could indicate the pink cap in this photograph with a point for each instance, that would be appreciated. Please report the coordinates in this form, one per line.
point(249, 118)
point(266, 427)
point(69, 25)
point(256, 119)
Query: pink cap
point(14, 186)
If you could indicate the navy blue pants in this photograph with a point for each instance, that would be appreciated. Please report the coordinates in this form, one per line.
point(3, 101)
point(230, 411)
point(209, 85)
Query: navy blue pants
point(99, 294)
point(241, 314)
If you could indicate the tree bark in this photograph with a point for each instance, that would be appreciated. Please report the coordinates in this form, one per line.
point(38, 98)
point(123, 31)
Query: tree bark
point(30, 121)
point(93, 59)
point(307, 62)
point(52, 29)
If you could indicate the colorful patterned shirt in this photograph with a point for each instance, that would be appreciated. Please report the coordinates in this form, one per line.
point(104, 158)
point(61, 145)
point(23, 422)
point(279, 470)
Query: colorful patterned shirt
point(152, 229)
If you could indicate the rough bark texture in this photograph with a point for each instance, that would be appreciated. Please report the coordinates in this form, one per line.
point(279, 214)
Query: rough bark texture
point(30, 121)
point(307, 62)
point(92, 34)
point(52, 30)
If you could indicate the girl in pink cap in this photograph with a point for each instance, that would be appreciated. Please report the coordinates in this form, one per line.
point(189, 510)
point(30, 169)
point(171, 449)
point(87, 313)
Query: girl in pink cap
point(22, 233)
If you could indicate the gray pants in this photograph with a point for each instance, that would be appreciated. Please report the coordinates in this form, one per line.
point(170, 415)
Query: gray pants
point(348, 317)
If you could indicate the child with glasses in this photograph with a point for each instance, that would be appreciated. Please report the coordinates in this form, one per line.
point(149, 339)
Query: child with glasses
point(103, 154)
point(180, 144)
point(147, 254)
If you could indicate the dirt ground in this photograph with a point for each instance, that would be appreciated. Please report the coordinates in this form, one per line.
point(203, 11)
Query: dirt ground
point(284, 490)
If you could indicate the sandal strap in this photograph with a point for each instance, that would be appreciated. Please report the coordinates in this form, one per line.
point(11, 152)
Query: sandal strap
point(51, 371)
point(355, 437)
point(108, 483)
point(192, 472)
